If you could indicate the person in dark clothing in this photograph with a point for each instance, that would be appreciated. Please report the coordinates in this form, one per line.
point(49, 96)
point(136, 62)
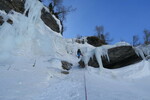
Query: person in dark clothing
point(79, 53)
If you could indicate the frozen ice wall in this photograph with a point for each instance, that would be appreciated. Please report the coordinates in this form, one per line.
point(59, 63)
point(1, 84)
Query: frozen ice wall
point(143, 51)
point(28, 36)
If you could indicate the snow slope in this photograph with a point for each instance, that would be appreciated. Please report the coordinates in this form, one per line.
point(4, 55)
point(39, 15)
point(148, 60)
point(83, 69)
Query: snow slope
point(44, 81)
point(41, 79)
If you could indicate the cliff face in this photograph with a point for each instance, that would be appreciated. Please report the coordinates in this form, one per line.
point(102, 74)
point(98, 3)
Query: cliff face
point(18, 6)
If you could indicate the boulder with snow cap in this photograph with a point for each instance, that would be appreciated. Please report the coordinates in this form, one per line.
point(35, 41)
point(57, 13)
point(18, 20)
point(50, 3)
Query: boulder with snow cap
point(118, 57)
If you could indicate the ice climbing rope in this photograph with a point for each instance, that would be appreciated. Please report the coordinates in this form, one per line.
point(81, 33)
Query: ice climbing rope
point(85, 89)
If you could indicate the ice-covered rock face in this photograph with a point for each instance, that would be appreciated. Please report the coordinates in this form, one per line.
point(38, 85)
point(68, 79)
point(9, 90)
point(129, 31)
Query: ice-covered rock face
point(18, 6)
point(28, 36)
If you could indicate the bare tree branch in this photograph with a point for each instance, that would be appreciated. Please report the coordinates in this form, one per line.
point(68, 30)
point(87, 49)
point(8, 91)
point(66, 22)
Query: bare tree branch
point(146, 37)
point(101, 35)
point(136, 40)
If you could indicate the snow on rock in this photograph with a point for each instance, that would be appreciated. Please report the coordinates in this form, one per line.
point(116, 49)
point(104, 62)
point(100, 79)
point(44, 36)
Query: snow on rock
point(122, 44)
point(59, 23)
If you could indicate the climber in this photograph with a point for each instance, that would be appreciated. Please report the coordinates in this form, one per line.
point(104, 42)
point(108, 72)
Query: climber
point(79, 53)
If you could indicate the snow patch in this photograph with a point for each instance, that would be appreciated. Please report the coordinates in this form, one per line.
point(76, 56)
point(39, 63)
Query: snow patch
point(122, 44)
point(55, 63)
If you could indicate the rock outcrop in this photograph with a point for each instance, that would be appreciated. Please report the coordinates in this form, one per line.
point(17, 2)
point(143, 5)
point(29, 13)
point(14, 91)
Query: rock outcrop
point(119, 57)
point(18, 6)
point(50, 21)
point(64, 72)
point(95, 41)
point(66, 65)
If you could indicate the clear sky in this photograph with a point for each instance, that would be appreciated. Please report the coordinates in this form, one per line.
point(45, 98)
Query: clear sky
point(121, 18)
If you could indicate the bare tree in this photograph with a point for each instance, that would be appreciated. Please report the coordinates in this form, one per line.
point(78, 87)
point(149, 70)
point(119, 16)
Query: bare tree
point(57, 3)
point(146, 37)
point(79, 36)
point(101, 35)
point(135, 40)
point(63, 11)
point(99, 31)
point(59, 10)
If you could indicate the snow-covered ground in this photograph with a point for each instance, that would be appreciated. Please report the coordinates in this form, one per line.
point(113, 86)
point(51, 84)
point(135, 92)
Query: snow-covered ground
point(30, 65)
point(44, 81)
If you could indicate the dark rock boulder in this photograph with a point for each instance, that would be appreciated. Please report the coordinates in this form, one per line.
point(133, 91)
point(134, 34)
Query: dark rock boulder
point(81, 63)
point(66, 65)
point(64, 72)
point(119, 57)
point(95, 41)
point(50, 21)
point(7, 5)
point(10, 21)
point(18, 6)
point(1, 20)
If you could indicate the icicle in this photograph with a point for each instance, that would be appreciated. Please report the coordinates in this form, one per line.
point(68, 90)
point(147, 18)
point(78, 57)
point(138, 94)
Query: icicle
point(99, 52)
point(139, 52)
point(142, 51)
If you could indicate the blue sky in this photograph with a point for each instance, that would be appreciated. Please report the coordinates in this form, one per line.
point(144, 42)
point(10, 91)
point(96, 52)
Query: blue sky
point(121, 18)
